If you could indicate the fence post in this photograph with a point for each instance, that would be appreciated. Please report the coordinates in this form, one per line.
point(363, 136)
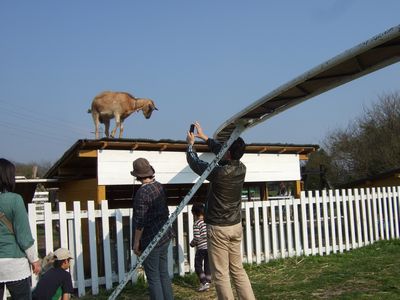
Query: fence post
point(304, 224)
point(132, 254)
point(364, 223)
point(338, 200)
point(289, 234)
point(71, 243)
point(266, 231)
point(326, 223)
point(92, 248)
point(375, 218)
point(106, 243)
point(311, 202)
point(62, 221)
point(319, 220)
point(48, 227)
point(381, 215)
point(296, 228)
point(390, 200)
point(181, 256)
point(370, 219)
point(32, 225)
point(249, 240)
point(358, 218)
point(332, 223)
point(257, 231)
point(396, 211)
point(273, 230)
point(351, 218)
point(78, 248)
point(345, 219)
point(120, 245)
point(385, 212)
point(191, 250)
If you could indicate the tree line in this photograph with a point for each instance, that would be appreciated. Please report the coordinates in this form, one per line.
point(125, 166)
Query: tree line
point(32, 170)
point(368, 146)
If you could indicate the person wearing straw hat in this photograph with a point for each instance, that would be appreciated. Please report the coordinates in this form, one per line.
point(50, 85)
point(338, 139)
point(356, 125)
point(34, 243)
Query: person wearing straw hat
point(56, 282)
point(150, 212)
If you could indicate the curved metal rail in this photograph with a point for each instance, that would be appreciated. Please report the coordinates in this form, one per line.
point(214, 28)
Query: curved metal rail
point(378, 52)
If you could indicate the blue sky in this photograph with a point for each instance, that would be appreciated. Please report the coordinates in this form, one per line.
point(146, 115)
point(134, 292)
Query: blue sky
point(198, 60)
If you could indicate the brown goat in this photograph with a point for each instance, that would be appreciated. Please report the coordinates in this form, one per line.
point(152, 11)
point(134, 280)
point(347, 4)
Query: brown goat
point(118, 105)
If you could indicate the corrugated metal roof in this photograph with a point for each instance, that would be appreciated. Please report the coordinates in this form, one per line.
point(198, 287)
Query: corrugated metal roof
point(376, 53)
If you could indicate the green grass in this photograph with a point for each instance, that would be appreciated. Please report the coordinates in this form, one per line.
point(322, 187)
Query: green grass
point(371, 272)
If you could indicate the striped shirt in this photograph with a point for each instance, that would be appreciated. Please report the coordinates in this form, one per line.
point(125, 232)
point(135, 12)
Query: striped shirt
point(200, 234)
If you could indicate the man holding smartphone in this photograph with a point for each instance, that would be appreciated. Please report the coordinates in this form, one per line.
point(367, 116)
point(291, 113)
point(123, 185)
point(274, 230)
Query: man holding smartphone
point(223, 214)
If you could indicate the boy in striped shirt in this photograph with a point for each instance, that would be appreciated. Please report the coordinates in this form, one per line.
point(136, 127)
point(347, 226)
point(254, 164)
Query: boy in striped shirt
point(200, 242)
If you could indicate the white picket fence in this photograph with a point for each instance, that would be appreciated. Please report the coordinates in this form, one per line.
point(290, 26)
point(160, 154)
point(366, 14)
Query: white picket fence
point(319, 223)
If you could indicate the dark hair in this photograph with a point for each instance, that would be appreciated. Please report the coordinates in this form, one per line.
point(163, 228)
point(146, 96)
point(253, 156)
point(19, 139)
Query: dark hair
point(7, 176)
point(237, 149)
point(143, 178)
point(198, 209)
point(58, 263)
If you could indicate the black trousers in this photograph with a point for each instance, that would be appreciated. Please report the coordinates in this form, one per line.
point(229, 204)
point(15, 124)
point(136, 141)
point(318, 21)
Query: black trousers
point(19, 289)
point(201, 265)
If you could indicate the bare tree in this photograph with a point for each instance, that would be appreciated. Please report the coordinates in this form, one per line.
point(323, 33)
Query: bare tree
point(314, 172)
point(369, 145)
point(27, 169)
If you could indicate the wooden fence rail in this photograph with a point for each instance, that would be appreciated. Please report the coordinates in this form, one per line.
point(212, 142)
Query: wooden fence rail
point(319, 223)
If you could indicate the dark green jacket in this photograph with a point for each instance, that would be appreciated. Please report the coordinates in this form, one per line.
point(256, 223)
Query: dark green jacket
point(14, 245)
point(224, 198)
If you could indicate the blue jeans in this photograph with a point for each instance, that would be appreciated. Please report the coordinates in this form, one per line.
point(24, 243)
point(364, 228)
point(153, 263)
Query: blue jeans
point(19, 289)
point(156, 268)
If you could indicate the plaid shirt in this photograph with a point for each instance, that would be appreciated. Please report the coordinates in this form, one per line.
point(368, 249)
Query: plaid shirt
point(150, 212)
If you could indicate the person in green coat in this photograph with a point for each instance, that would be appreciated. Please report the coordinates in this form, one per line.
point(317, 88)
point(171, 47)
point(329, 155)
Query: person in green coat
point(17, 251)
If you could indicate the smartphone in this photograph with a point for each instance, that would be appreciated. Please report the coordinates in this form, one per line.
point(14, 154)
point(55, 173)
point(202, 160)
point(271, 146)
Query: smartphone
point(191, 128)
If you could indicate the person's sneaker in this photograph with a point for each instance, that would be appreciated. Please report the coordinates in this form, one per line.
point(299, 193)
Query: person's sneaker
point(204, 287)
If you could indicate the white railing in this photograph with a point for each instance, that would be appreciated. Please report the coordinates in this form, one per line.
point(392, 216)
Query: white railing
point(40, 198)
point(317, 223)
